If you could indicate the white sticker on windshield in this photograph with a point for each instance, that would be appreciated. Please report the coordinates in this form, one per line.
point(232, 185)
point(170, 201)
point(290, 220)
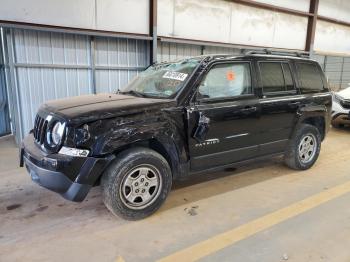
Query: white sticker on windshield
point(175, 75)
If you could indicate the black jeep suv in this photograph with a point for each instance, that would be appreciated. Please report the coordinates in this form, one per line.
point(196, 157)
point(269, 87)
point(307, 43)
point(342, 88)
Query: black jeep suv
point(175, 119)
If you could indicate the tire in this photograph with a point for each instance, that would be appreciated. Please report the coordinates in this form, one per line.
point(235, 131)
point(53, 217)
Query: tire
point(298, 154)
point(136, 183)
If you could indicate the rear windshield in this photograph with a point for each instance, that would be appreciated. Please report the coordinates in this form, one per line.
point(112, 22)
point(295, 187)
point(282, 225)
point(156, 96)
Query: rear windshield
point(310, 78)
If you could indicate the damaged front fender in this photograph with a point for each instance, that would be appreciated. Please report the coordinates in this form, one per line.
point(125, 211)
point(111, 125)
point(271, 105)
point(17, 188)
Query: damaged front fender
point(160, 130)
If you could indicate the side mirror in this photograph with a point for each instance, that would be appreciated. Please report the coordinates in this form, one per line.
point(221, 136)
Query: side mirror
point(202, 128)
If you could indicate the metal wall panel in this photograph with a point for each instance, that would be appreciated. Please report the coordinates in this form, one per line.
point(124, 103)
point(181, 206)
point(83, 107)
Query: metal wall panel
point(221, 50)
point(36, 47)
point(48, 65)
point(37, 85)
point(5, 127)
point(334, 71)
point(337, 70)
point(118, 61)
point(174, 51)
point(346, 73)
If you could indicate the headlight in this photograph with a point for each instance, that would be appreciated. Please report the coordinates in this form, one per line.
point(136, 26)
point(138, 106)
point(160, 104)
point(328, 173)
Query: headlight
point(57, 133)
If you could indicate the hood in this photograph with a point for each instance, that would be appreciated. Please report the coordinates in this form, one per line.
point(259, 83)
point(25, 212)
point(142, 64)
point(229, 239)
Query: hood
point(345, 93)
point(88, 108)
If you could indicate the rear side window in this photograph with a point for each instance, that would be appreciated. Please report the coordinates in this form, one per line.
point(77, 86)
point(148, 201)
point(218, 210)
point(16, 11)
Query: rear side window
point(276, 77)
point(226, 80)
point(310, 78)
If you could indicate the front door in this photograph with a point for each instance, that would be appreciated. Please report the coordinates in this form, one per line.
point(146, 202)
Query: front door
point(222, 121)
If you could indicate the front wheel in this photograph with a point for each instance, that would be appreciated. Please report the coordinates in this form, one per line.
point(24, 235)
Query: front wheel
point(304, 148)
point(136, 184)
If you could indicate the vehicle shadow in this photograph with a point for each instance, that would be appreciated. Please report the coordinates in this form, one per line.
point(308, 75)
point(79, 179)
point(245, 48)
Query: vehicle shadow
point(22, 200)
point(345, 128)
point(199, 187)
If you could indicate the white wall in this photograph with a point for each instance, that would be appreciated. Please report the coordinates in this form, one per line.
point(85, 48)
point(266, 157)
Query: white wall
point(111, 15)
point(337, 9)
point(332, 38)
point(301, 5)
point(130, 16)
point(259, 27)
point(205, 20)
point(228, 22)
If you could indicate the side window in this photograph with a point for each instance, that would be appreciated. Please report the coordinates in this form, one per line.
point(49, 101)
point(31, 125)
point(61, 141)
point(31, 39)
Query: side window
point(276, 77)
point(272, 77)
point(288, 77)
point(310, 77)
point(226, 80)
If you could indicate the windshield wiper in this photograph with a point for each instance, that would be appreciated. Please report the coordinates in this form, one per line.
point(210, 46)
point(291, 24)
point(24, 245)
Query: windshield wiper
point(133, 92)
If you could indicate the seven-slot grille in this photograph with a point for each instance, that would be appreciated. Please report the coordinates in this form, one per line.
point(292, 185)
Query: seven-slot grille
point(40, 126)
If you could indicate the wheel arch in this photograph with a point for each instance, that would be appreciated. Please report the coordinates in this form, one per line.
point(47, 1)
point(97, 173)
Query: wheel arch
point(318, 122)
point(316, 115)
point(167, 149)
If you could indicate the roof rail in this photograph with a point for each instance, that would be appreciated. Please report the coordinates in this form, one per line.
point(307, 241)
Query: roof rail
point(282, 53)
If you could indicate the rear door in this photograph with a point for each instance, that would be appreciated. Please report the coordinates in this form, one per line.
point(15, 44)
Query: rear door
point(222, 119)
point(279, 103)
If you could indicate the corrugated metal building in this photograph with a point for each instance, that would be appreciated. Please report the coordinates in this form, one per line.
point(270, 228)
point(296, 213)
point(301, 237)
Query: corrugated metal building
point(49, 65)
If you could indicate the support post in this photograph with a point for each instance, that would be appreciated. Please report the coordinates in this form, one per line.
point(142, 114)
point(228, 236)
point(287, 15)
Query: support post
point(92, 64)
point(13, 84)
point(311, 26)
point(153, 31)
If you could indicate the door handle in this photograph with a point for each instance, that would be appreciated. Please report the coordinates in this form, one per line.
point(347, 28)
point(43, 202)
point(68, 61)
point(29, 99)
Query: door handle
point(295, 103)
point(249, 109)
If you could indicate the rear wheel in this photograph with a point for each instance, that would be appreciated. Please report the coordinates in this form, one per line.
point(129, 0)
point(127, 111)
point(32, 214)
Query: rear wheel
point(136, 184)
point(304, 148)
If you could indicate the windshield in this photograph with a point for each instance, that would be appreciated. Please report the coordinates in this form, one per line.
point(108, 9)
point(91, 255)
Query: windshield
point(162, 80)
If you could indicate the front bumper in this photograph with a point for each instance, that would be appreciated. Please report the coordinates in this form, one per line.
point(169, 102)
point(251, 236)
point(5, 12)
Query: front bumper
point(71, 177)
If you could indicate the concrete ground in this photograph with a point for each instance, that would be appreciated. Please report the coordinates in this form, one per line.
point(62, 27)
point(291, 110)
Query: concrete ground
point(266, 212)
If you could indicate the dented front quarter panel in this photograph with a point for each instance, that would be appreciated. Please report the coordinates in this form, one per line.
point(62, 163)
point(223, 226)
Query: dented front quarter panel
point(163, 123)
